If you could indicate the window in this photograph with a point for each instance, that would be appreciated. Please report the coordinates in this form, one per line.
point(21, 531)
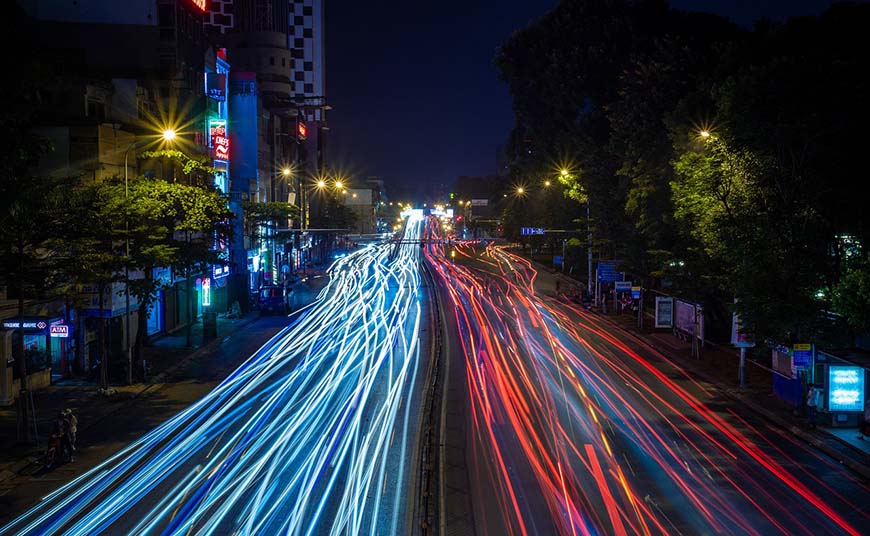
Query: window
point(298, 21)
point(307, 32)
point(297, 53)
point(298, 43)
point(283, 62)
point(307, 11)
point(309, 88)
point(309, 66)
point(299, 76)
point(271, 60)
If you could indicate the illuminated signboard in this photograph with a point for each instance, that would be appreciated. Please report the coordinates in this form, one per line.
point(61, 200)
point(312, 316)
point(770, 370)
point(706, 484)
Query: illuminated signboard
point(845, 388)
point(60, 331)
point(201, 4)
point(206, 292)
point(216, 86)
point(527, 231)
point(301, 130)
point(217, 129)
point(29, 324)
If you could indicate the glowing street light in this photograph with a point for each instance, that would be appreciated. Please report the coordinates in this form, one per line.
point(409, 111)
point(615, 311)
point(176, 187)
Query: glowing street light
point(321, 184)
point(286, 172)
point(169, 134)
point(705, 133)
point(521, 190)
point(564, 172)
point(339, 185)
point(547, 184)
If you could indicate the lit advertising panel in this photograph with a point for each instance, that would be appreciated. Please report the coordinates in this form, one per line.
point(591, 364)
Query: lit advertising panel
point(217, 129)
point(845, 388)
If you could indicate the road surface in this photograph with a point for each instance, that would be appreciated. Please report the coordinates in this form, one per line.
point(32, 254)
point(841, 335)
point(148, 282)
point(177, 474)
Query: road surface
point(573, 427)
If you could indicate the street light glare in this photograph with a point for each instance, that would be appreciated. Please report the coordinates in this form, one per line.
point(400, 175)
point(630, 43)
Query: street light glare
point(321, 184)
point(339, 185)
point(286, 171)
point(564, 172)
point(705, 133)
point(169, 134)
point(546, 183)
point(520, 190)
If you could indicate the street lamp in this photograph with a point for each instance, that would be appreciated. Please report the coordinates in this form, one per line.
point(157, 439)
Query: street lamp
point(520, 190)
point(547, 184)
point(168, 135)
point(564, 173)
point(705, 133)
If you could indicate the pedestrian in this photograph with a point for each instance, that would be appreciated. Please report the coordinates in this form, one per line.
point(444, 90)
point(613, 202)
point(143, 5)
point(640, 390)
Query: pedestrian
point(814, 395)
point(864, 429)
point(72, 423)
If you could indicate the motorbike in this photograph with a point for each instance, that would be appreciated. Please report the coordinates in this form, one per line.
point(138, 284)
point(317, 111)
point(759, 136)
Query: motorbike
point(56, 447)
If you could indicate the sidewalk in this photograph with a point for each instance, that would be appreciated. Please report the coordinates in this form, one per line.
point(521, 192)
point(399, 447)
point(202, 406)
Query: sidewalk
point(167, 356)
point(719, 367)
point(171, 362)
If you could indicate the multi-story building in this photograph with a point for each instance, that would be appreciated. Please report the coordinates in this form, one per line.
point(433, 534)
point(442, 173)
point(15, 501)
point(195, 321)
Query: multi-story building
point(278, 103)
point(122, 71)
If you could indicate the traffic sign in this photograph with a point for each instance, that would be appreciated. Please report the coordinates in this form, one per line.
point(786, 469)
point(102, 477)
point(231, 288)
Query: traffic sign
point(802, 355)
point(635, 293)
point(622, 286)
point(607, 272)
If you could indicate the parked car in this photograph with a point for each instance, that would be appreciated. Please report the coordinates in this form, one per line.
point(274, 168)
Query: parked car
point(273, 299)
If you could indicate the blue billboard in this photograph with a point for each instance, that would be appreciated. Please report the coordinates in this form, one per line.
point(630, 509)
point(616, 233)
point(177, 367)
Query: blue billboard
point(845, 388)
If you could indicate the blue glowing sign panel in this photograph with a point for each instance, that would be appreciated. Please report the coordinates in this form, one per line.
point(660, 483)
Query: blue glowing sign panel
point(528, 231)
point(845, 388)
point(607, 272)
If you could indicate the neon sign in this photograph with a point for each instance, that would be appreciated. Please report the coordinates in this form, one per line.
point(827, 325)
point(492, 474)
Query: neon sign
point(301, 131)
point(206, 292)
point(201, 4)
point(217, 129)
point(845, 388)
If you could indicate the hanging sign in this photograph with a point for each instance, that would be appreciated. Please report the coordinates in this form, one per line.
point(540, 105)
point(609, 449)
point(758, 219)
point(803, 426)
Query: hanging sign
point(60, 331)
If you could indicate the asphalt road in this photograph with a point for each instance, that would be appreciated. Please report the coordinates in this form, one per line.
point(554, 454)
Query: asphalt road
point(573, 427)
point(316, 433)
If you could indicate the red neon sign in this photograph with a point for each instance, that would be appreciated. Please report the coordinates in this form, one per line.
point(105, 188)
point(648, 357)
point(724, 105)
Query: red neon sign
point(301, 130)
point(201, 4)
point(219, 139)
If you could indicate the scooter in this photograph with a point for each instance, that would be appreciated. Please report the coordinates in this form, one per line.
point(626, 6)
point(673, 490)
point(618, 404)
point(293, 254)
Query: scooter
point(56, 447)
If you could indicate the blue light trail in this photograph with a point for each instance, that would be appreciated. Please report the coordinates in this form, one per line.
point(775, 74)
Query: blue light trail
point(311, 435)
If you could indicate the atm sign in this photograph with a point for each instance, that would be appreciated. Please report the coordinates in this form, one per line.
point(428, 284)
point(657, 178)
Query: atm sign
point(59, 330)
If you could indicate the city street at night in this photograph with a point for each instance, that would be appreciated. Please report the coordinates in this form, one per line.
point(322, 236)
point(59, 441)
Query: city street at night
point(510, 268)
point(316, 431)
point(575, 428)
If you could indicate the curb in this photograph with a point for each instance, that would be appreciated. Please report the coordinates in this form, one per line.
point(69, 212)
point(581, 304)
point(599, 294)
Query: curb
point(860, 468)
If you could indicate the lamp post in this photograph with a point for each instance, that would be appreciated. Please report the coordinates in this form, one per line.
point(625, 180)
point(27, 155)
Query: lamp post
point(168, 135)
point(589, 288)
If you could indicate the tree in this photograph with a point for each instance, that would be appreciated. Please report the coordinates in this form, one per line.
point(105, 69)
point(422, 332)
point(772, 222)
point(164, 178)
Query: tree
point(169, 224)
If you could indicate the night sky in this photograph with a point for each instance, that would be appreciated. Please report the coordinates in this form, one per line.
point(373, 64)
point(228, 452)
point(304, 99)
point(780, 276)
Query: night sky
point(416, 98)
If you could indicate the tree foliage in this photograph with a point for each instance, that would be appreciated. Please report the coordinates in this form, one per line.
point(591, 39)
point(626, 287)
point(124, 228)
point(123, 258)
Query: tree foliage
point(618, 93)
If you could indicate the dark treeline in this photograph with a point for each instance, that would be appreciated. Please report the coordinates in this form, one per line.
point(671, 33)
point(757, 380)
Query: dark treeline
point(725, 161)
